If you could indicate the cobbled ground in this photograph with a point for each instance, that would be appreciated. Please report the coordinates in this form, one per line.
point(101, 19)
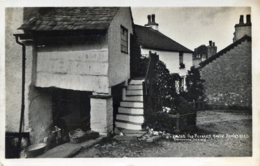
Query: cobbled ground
point(234, 132)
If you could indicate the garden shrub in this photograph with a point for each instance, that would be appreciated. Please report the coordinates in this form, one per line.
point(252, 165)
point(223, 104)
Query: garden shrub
point(194, 86)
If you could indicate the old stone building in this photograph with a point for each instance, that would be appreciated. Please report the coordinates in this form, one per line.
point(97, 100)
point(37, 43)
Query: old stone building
point(227, 74)
point(74, 58)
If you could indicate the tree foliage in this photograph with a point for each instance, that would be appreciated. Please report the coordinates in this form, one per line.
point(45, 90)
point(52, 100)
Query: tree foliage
point(195, 89)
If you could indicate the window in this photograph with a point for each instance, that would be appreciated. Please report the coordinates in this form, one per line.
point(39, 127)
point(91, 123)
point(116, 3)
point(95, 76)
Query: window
point(182, 65)
point(181, 57)
point(124, 40)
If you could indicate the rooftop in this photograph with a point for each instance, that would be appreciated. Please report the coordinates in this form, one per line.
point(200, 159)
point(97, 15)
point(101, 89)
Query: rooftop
point(153, 39)
point(222, 52)
point(71, 18)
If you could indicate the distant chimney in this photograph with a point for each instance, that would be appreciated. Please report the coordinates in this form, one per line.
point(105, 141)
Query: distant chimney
point(248, 19)
point(211, 49)
point(210, 43)
point(149, 19)
point(242, 28)
point(153, 18)
point(151, 22)
point(241, 20)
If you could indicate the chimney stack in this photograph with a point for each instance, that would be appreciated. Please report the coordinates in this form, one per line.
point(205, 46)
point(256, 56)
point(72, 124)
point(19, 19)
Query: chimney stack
point(242, 29)
point(153, 18)
point(211, 49)
point(248, 19)
point(151, 22)
point(149, 19)
point(241, 20)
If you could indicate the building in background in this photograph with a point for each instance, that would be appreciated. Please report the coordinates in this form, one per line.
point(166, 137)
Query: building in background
point(177, 58)
point(227, 74)
point(203, 52)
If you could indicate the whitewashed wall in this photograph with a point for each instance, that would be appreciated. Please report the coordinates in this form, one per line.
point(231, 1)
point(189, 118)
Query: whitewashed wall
point(171, 59)
point(76, 67)
point(13, 69)
point(119, 63)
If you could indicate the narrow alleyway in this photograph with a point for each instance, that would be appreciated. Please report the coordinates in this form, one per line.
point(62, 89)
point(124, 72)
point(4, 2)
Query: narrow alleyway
point(220, 133)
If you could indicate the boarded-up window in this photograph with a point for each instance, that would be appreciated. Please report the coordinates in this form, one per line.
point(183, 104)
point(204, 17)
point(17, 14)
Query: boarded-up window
point(124, 40)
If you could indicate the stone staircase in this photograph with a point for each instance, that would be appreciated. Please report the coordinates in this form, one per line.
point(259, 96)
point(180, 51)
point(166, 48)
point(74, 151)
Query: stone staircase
point(130, 115)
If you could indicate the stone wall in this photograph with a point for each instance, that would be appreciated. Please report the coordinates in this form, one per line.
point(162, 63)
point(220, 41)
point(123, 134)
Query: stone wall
point(13, 69)
point(37, 113)
point(119, 62)
point(228, 78)
point(241, 31)
point(101, 115)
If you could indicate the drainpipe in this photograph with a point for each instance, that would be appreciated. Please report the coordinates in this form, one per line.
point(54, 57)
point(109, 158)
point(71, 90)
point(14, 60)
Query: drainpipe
point(23, 89)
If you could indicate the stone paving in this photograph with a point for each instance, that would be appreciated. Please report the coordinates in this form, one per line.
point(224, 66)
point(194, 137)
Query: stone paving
point(219, 134)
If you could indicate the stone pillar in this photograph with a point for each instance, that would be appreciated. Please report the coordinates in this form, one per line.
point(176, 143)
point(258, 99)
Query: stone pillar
point(101, 114)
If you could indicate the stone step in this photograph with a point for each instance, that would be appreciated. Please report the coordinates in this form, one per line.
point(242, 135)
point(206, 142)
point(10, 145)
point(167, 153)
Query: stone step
point(136, 87)
point(134, 98)
point(130, 126)
point(136, 111)
point(130, 118)
point(127, 131)
point(134, 92)
point(131, 104)
point(136, 82)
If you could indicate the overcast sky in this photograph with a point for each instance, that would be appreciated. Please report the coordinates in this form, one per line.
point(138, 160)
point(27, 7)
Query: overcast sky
point(194, 26)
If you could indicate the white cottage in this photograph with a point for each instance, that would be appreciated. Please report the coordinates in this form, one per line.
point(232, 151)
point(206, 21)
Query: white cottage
point(178, 59)
point(74, 57)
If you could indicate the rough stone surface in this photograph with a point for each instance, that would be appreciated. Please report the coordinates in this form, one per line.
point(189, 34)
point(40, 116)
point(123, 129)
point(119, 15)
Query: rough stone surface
point(65, 150)
point(37, 115)
point(70, 149)
point(101, 115)
point(13, 69)
point(125, 138)
point(90, 143)
point(217, 124)
point(228, 78)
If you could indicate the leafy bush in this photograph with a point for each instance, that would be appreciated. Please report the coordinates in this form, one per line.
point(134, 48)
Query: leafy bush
point(194, 86)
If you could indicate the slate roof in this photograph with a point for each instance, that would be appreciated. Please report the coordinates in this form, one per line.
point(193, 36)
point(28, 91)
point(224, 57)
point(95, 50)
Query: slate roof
point(201, 50)
point(220, 53)
point(71, 18)
point(153, 39)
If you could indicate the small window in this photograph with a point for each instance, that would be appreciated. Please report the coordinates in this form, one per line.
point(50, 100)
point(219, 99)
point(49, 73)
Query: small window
point(124, 40)
point(182, 65)
point(181, 57)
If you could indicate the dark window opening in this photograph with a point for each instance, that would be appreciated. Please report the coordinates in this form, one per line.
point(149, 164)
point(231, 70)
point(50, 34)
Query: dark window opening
point(124, 40)
point(182, 65)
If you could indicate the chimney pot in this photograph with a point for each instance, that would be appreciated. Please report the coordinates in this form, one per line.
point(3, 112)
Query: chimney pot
point(149, 19)
point(153, 18)
point(213, 44)
point(248, 19)
point(210, 43)
point(241, 20)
